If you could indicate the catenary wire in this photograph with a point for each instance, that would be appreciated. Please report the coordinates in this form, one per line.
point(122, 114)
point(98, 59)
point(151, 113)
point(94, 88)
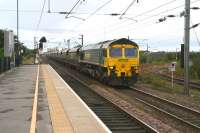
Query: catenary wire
point(195, 33)
point(129, 6)
point(93, 13)
point(151, 10)
point(98, 9)
point(42, 11)
point(155, 15)
point(72, 8)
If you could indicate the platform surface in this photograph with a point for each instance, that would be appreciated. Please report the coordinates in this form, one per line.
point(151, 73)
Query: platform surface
point(68, 112)
point(17, 89)
point(16, 95)
point(58, 108)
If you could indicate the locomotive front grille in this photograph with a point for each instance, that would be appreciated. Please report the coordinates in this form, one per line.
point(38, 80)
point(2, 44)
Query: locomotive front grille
point(123, 65)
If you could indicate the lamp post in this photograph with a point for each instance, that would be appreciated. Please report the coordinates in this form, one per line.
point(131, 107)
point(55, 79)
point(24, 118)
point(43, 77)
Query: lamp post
point(17, 21)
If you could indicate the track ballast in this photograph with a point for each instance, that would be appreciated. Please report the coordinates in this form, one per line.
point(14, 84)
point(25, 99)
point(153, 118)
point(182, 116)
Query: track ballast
point(115, 119)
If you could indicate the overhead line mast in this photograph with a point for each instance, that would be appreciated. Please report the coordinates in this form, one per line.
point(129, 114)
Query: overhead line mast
point(186, 46)
point(49, 6)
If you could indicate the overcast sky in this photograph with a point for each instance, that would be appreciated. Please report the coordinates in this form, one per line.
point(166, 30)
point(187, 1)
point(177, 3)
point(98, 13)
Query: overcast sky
point(98, 24)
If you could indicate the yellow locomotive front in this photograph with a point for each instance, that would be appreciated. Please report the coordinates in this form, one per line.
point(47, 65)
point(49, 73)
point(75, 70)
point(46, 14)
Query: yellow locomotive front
point(122, 63)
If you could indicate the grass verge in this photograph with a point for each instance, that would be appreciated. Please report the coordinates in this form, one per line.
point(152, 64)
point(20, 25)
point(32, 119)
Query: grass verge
point(159, 83)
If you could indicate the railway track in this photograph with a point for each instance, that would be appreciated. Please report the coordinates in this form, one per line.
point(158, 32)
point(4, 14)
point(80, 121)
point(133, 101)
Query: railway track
point(179, 81)
point(113, 116)
point(186, 116)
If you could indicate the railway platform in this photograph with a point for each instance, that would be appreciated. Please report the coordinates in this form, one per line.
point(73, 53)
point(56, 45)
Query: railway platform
point(34, 98)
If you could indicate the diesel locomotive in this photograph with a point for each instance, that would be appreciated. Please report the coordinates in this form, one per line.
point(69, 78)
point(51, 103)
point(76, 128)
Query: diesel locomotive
point(115, 62)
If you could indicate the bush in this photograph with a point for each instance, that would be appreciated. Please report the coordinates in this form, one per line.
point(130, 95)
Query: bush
point(168, 57)
point(195, 68)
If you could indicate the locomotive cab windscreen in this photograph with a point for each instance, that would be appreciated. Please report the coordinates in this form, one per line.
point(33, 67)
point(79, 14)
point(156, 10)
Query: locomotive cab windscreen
point(123, 60)
point(123, 51)
point(130, 52)
point(115, 52)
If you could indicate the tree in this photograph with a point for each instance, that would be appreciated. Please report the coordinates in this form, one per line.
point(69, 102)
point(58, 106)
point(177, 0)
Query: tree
point(1, 43)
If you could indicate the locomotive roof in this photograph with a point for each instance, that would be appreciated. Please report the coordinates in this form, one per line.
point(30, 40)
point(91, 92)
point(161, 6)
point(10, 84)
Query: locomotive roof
point(64, 50)
point(108, 43)
point(75, 49)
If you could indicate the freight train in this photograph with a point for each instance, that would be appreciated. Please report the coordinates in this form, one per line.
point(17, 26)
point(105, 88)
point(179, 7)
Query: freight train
point(115, 62)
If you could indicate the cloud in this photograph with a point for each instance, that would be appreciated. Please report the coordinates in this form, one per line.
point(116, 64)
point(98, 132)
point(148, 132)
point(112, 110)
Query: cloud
point(100, 26)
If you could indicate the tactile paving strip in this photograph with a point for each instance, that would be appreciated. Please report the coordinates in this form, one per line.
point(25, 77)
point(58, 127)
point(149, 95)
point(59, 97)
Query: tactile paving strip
point(60, 122)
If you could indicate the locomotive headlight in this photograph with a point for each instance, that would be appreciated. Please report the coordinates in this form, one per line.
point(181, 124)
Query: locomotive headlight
point(111, 67)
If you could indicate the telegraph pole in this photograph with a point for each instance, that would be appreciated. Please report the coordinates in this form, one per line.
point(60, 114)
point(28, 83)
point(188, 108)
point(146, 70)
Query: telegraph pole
point(186, 48)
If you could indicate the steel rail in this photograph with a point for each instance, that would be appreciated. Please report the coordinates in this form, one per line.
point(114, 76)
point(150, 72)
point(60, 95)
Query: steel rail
point(180, 81)
point(188, 111)
point(115, 117)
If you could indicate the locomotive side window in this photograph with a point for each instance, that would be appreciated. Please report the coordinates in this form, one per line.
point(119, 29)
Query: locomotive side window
point(130, 52)
point(115, 52)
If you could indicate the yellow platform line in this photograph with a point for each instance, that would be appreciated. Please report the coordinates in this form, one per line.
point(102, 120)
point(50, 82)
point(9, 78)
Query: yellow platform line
point(60, 122)
point(35, 102)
